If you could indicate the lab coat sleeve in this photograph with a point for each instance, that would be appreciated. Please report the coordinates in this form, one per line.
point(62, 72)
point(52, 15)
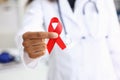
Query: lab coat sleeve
point(114, 36)
point(32, 21)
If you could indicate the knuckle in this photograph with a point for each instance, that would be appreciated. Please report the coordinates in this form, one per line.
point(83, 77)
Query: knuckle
point(43, 35)
point(32, 56)
point(24, 43)
point(30, 53)
point(43, 52)
point(40, 34)
point(25, 35)
point(42, 40)
point(34, 51)
point(36, 55)
point(44, 46)
point(36, 42)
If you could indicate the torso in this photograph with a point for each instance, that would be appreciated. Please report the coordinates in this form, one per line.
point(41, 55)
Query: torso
point(88, 57)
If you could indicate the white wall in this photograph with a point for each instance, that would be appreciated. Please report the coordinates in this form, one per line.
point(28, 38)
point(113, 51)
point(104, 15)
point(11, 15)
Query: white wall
point(10, 19)
point(8, 23)
point(21, 6)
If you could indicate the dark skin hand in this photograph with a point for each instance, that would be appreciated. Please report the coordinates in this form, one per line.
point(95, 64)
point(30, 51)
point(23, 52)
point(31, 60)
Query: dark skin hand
point(34, 43)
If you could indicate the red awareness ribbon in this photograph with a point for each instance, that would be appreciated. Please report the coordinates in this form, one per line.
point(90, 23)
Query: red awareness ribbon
point(58, 30)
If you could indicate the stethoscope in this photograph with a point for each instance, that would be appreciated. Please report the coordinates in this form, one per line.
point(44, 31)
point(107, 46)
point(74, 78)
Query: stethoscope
point(83, 12)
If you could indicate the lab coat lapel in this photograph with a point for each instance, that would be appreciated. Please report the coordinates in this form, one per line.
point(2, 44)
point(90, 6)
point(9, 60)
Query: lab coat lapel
point(103, 19)
point(66, 10)
point(72, 16)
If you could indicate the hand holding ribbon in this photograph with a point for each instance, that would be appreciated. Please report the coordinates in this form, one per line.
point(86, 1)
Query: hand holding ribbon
point(58, 30)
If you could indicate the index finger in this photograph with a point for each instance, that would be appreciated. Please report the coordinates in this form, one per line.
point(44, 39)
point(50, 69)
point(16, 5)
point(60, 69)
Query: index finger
point(42, 35)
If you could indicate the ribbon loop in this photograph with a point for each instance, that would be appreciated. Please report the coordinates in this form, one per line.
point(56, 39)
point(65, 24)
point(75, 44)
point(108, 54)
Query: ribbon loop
point(58, 30)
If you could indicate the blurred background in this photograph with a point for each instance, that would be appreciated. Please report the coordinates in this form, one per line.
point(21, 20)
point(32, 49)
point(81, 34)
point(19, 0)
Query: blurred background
point(11, 66)
point(11, 13)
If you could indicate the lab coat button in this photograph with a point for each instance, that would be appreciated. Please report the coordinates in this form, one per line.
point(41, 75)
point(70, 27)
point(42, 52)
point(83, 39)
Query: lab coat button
point(83, 37)
point(106, 36)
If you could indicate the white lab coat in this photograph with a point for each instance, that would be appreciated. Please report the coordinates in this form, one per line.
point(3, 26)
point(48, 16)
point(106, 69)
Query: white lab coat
point(95, 50)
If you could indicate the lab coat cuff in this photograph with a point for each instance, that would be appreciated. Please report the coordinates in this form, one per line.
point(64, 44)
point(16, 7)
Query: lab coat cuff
point(33, 63)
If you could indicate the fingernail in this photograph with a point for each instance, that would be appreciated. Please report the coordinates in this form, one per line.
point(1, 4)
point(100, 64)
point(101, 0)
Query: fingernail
point(55, 35)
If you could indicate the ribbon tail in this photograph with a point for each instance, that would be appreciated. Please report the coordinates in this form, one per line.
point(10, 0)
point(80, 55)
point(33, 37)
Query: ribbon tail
point(61, 43)
point(50, 45)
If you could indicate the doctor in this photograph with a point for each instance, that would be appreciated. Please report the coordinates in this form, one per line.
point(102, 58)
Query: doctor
point(90, 32)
